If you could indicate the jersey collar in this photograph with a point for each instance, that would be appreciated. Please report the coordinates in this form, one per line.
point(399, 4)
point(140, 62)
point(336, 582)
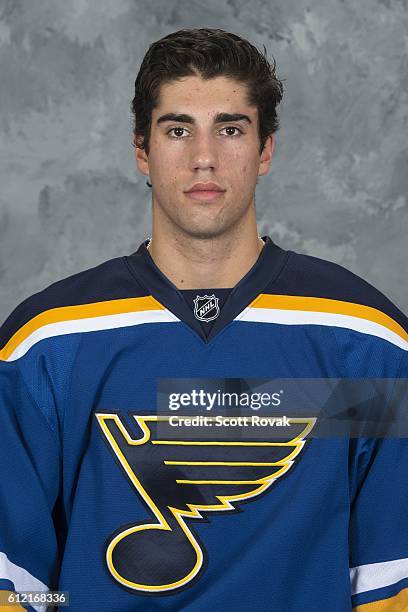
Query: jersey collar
point(263, 272)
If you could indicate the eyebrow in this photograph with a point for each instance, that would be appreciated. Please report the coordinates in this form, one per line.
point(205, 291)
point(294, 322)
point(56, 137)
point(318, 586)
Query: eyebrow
point(219, 118)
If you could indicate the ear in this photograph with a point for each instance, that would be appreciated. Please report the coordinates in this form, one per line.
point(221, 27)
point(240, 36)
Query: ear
point(266, 155)
point(142, 160)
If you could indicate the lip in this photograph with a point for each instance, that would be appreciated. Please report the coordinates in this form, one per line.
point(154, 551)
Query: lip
point(205, 191)
point(205, 187)
point(204, 195)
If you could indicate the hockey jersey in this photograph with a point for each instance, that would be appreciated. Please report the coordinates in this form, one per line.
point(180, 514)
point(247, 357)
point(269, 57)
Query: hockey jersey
point(102, 499)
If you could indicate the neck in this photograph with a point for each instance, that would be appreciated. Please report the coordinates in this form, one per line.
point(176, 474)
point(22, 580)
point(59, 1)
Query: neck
point(201, 263)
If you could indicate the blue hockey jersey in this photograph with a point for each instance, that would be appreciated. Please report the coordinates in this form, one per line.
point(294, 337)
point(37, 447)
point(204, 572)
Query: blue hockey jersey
point(97, 502)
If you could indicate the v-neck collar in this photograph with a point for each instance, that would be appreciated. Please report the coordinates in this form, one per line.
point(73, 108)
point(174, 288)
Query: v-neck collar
point(262, 273)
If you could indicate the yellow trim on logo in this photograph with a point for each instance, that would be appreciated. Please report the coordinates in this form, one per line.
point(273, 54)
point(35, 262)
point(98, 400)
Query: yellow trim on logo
point(294, 447)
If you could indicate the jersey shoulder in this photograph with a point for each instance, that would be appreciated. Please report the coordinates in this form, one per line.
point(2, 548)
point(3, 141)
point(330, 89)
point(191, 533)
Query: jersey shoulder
point(107, 281)
point(312, 277)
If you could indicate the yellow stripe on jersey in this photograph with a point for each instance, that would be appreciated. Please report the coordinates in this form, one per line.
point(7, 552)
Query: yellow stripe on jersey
point(5, 606)
point(398, 603)
point(80, 312)
point(311, 307)
point(265, 308)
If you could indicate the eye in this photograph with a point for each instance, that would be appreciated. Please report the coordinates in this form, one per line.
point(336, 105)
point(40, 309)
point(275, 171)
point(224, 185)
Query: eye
point(173, 130)
point(232, 127)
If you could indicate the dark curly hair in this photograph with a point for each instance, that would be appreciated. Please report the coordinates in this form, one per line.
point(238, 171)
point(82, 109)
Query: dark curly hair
point(208, 53)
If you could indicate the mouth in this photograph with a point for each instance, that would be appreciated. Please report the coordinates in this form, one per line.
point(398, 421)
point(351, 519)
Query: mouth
point(207, 194)
point(205, 191)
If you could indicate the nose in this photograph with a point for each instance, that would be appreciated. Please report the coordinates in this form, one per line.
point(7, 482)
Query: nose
point(203, 153)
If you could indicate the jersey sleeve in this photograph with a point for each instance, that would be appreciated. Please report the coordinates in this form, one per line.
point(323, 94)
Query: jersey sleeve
point(378, 529)
point(29, 480)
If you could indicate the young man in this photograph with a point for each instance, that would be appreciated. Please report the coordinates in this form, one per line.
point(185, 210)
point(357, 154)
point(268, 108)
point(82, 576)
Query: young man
point(106, 492)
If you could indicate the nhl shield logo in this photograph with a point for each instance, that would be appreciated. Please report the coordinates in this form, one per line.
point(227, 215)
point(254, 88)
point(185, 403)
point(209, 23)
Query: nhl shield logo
point(206, 307)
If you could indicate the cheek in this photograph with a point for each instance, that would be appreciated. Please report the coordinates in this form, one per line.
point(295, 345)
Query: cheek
point(239, 161)
point(165, 167)
point(171, 166)
point(241, 171)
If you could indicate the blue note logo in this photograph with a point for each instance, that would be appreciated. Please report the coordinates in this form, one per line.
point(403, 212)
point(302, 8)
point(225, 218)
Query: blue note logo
point(206, 307)
point(180, 482)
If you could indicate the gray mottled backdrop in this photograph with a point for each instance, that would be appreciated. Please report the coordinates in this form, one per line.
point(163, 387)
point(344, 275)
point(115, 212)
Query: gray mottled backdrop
point(71, 196)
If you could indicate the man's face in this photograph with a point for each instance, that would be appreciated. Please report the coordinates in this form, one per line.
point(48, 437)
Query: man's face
point(200, 147)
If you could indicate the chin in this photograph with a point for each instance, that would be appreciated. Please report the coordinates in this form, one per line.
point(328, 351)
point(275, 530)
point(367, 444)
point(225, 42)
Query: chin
point(205, 232)
point(201, 233)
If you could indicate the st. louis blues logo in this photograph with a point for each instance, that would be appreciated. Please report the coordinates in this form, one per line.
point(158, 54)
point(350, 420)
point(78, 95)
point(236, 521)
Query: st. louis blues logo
point(181, 481)
point(206, 307)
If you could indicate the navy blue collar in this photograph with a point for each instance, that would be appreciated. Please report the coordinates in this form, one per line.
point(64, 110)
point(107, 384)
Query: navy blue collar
point(262, 273)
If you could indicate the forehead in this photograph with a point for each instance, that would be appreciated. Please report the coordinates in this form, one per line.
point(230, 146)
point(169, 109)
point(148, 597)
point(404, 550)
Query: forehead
point(199, 96)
